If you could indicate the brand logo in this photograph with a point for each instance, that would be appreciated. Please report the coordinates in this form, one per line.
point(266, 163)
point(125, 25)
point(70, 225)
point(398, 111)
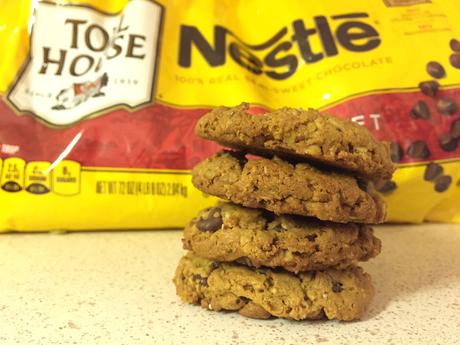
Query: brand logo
point(279, 57)
point(83, 61)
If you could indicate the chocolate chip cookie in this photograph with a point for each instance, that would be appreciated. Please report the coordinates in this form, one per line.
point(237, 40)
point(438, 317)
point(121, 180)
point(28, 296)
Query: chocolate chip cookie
point(228, 232)
point(286, 188)
point(302, 135)
point(262, 293)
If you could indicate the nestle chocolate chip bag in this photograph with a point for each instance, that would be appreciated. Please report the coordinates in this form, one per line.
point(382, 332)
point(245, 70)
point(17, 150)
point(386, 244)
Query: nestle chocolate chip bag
point(99, 99)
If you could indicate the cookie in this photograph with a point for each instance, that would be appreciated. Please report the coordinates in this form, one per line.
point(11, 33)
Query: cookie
point(228, 232)
point(262, 293)
point(301, 135)
point(286, 188)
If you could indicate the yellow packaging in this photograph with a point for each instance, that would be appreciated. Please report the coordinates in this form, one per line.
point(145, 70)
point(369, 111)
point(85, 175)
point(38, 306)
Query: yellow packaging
point(99, 99)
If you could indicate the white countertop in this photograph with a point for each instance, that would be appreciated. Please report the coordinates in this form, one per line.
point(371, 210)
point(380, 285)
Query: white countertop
point(115, 288)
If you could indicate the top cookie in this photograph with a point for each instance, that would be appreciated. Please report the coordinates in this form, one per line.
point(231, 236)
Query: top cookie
point(300, 135)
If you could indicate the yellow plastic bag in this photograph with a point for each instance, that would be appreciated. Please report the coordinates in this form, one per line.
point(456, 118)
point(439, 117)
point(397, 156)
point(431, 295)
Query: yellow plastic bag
point(99, 99)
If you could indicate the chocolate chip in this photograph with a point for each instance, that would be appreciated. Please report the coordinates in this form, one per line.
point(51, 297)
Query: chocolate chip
point(241, 299)
point(214, 265)
point(244, 260)
point(455, 45)
point(435, 69)
point(454, 60)
point(269, 282)
point(441, 183)
point(240, 156)
point(321, 315)
point(432, 171)
point(385, 186)
point(429, 88)
point(420, 111)
point(213, 222)
point(248, 287)
point(215, 210)
point(455, 129)
point(267, 215)
point(337, 287)
point(350, 147)
point(418, 149)
point(202, 280)
point(396, 152)
point(447, 142)
point(312, 238)
point(447, 106)
point(279, 228)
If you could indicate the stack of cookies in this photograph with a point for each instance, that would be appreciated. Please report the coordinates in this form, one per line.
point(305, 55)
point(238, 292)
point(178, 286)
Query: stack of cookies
point(286, 241)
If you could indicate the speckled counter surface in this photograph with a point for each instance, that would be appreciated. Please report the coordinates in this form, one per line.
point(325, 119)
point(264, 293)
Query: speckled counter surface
point(115, 288)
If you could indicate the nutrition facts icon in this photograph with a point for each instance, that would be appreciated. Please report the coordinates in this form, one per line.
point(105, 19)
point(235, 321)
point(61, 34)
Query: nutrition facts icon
point(38, 179)
point(66, 178)
point(12, 177)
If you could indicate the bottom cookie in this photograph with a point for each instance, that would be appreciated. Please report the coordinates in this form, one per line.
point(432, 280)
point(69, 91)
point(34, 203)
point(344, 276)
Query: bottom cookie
point(262, 293)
